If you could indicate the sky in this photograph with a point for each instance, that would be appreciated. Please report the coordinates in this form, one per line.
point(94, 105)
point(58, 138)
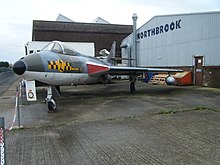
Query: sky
point(16, 16)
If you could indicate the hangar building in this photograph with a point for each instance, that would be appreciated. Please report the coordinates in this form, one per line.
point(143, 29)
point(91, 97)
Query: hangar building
point(100, 32)
point(188, 41)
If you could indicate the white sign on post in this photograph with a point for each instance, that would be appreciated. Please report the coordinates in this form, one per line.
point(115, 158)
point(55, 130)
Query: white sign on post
point(31, 90)
point(2, 142)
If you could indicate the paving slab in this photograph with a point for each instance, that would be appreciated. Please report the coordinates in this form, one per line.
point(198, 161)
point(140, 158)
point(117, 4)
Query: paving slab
point(107, 125)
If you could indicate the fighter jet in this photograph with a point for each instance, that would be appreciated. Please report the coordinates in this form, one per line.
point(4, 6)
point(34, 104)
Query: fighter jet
point(58, 64)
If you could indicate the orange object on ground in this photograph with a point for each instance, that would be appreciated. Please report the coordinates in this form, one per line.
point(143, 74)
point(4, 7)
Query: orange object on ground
point(184, 78)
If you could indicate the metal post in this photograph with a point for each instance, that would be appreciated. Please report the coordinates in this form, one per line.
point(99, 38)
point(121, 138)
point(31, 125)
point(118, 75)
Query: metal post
point(18, 106)
point(134, 17)
point(2, 141)
point(21, 94)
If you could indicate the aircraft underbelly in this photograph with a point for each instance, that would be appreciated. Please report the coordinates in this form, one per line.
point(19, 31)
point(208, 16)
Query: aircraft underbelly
point(58, 78)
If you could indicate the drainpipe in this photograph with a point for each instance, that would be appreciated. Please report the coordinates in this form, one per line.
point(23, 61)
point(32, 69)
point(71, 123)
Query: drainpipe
point(134, 17)
point(127, 47)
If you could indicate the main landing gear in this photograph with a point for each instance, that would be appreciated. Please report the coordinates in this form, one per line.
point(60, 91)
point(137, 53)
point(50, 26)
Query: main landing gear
point(51, 104)
point(132, 83)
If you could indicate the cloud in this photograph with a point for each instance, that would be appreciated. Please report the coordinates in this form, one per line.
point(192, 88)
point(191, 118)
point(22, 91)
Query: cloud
point(16, 16)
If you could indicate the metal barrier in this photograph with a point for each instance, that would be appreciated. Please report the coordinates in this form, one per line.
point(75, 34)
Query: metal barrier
point(16, 109)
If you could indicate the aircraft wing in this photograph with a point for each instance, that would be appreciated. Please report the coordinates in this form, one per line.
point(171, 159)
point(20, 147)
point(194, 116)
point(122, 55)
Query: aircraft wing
point(116, 70)
point(96, 70)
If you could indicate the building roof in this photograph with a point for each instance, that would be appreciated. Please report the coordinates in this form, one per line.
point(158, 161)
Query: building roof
point(62, 18)
point(100, 20)
point(80, 27)
point(181, 14)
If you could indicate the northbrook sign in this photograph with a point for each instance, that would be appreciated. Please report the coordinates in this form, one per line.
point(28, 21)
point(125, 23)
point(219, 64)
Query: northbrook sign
point(159, 29)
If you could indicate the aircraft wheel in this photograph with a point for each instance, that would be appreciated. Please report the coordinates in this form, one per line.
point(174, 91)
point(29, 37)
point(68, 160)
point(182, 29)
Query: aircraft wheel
point(51, 105)
point(132, 87)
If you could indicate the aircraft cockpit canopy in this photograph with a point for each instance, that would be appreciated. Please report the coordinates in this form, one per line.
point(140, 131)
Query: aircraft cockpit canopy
point(59, 47)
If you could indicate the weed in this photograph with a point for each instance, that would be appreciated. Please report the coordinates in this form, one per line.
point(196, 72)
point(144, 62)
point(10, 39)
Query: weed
point(110, 119)
point(170, 111)
point(200, 108)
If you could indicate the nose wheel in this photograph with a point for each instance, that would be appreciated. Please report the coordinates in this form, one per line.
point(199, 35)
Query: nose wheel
point(51, 104)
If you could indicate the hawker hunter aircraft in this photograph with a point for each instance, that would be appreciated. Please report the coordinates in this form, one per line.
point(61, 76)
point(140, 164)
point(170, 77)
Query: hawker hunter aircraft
point(57, 65)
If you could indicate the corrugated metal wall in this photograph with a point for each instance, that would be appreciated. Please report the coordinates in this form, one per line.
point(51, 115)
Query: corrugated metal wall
point(173, 40)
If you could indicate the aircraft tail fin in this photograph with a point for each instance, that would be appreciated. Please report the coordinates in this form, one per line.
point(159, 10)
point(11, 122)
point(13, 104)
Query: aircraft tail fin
point(111, 56)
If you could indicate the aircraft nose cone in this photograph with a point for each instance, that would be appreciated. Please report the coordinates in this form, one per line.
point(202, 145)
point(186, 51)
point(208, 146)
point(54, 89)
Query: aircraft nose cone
point(19, 67)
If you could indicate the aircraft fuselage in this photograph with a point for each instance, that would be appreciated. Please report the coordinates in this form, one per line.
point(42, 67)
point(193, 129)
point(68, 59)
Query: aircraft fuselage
point(56, 69)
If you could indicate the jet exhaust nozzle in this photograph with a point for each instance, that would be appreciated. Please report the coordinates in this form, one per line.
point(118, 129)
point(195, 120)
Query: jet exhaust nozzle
point(170, 80)
point(19, 67)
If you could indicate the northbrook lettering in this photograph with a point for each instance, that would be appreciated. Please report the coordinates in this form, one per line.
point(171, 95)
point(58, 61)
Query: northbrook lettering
point(159, 29)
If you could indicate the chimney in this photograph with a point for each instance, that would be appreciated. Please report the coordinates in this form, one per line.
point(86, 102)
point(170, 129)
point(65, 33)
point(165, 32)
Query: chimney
point(134, 45)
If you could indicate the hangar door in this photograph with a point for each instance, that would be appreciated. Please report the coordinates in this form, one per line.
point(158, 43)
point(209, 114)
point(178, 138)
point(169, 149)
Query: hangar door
point(198, 70)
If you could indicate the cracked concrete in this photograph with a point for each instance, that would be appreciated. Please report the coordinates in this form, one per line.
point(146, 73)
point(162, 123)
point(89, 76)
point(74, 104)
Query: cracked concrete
point(107, 125)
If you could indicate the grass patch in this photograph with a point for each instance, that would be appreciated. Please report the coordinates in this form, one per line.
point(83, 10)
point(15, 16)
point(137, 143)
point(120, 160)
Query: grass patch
point(110, 119)
point(170, 111)
point(129, 117)
point(196, 108)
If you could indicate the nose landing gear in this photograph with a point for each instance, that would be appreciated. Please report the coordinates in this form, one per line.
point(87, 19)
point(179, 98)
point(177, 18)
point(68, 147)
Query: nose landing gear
point(51, 104)
point(132, 83)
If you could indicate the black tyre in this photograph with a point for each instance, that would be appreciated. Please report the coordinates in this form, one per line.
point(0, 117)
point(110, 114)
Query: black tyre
point(51, 106)
point(132, 87)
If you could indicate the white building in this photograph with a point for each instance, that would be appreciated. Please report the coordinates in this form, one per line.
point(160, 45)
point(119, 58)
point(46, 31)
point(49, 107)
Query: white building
point(188, 41)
